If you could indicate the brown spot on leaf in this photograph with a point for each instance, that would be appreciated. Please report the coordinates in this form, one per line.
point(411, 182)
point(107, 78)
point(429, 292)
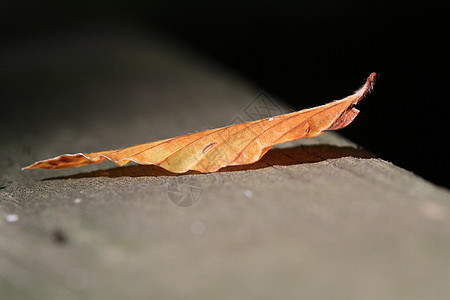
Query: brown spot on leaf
point(208, 147)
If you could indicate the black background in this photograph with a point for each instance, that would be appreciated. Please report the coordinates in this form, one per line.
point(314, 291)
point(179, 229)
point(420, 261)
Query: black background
point(304, 52)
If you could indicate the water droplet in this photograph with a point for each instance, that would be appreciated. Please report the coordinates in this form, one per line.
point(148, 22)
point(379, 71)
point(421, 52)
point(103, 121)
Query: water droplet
point(270, 119)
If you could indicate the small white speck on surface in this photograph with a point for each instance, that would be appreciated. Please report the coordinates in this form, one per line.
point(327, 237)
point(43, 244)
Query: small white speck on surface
point(270, 119)
point(248, 193)
point(197, 228)
point(12, 218)
point(77, 200)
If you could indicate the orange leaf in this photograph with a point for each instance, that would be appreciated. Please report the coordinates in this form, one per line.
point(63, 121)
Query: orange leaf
point(210, 150)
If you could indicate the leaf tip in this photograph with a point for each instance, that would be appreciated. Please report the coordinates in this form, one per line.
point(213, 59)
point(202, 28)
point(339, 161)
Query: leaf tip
point(32, 166)
point(27, 167)
point(367, 87)
point(372, 77)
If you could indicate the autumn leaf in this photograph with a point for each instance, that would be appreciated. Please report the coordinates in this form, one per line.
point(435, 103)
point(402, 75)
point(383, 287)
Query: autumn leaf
point(240, 144)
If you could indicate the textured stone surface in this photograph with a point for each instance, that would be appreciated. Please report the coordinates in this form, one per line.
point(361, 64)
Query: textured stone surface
point(317, 218)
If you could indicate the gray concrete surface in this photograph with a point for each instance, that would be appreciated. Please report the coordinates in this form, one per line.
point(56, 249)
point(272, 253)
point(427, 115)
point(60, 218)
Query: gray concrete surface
point(315, 219)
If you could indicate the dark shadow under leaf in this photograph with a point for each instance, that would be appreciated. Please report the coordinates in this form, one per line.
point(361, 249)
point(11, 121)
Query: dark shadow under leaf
point(274, 157)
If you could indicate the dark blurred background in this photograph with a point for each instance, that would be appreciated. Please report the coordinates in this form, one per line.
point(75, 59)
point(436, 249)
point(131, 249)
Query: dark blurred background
point(304, 52)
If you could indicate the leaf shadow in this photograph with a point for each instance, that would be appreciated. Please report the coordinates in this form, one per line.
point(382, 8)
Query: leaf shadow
point(274, 157)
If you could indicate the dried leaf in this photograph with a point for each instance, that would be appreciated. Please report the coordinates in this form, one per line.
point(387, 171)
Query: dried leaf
point(210, 150)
